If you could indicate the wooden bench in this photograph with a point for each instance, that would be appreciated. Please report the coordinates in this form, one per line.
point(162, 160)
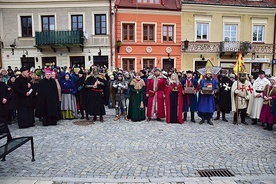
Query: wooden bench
point(12, 143)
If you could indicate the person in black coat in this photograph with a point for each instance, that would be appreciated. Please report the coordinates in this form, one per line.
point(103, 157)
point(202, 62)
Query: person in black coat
point(24, 96)
point(12, 99)
point(4, 95)
point(80, 95)
point(48, 101)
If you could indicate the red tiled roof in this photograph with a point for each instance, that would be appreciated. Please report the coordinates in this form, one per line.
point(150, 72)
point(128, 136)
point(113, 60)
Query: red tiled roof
point(263, 3)
point(164, 5)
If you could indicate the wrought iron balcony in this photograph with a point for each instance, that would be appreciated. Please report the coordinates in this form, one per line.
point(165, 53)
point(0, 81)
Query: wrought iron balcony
point(59, 38)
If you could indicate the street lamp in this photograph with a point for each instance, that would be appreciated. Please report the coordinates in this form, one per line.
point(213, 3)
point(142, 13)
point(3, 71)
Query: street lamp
point(185, 45)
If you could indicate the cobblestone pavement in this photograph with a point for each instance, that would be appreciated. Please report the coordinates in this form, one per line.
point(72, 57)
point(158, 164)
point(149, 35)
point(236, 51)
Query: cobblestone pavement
point(142, 152)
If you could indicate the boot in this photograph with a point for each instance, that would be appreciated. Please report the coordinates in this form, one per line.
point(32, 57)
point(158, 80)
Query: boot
point(116, 118)
point(270, 127)
point(185, 116)
point(101, 119)
point(210, 122)
point(82, 114)
point(95, 118)
point(201, 122)
point(254, 121)
point(223, 117)
point(192, 117)
point(218, 115)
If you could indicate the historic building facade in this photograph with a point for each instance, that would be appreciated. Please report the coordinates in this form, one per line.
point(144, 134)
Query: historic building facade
point(148, 34)
point(38, 33)
point(217, 30)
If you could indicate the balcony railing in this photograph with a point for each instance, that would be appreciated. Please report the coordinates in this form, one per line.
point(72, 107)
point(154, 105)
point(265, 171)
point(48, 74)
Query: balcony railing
point(229, 46)
point(59, 38)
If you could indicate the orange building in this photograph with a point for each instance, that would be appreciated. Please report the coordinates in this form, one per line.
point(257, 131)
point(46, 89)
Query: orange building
point(148, 34)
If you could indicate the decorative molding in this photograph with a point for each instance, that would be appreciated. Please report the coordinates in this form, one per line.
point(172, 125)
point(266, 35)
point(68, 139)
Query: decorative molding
point(128, 49)
point(168, 50)
point(149, 49)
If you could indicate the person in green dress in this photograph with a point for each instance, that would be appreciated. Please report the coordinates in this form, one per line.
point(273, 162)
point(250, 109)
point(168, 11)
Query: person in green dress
point(136, 110)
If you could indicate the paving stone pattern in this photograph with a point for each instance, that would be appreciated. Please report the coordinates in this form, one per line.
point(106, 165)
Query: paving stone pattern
point(128, 150)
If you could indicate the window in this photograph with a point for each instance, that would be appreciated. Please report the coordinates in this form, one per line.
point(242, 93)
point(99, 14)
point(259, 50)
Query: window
point(128, 32)
point(258, 33)
point(149, 1)
point(76, 22)
point(148, 63)
point(128, 64)
point(202, 31)
point(168, 33)
point(26, 26)
point(148, 32)
point(100, 24)
point(230, 32)
point(48, 23)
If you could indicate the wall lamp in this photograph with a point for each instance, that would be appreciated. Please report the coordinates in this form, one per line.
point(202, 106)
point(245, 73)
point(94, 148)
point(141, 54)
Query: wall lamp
point(119, 44)
point(185, 45)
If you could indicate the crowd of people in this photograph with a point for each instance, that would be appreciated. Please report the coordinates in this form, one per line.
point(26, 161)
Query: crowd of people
point(54, 93)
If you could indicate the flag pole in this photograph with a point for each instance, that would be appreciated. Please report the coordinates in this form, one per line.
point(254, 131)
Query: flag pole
point(237, 102)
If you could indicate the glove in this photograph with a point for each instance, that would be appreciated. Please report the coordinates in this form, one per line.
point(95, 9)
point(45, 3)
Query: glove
point(80, 88)
point(237, 91)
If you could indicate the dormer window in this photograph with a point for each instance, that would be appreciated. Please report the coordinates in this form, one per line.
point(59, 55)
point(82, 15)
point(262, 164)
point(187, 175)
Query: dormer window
point(149, 1)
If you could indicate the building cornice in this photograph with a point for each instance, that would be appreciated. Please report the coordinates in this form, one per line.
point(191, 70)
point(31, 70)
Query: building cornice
point(155, 12)
point(21, 4)
point(200, 8)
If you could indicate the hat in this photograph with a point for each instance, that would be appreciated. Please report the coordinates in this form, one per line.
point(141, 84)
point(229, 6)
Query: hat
point(120, 74)
point(189, 71)
point(76, 70)
point(261, 72)
point(17, 73)
point(156, 69)
point(81, 72)
point(38, 72)
point(232, 75)
point(48, 72)
point(242, 74)
point(272, 78)
point(24, 69)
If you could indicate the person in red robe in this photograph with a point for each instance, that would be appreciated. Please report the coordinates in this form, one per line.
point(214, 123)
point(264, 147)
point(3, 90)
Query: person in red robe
point(174, 100)
point(155, 92)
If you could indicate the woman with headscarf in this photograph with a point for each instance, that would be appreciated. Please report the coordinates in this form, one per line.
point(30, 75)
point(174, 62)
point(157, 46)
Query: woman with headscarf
point(68, 99)
point(269, 96)
point(137, 87)
point(174, 100)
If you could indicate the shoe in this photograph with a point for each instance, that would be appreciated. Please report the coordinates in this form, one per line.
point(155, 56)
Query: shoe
point(87, 118)
point(126, 118)
point(217, 118)
point(245, 123)
point(263, 124)
point(158, 119)
point(254, 122)
point(201, 122)
point(101, 119)
point(235, 123)
point(82, 117)
point(224, 119)
point(116, 118)
point(266, 127)
point(193, 120)
point(95, 118)
point(148, 119)
point(210, 122)
point(270, 127)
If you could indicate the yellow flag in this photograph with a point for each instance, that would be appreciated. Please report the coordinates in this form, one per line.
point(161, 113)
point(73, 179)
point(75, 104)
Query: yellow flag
point(239, 66)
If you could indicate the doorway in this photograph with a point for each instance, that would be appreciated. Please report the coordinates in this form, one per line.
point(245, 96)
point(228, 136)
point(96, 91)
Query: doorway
point(168, 64)
point(100, 61)
point(28, 62)
point(48, 61)
point(77, 61)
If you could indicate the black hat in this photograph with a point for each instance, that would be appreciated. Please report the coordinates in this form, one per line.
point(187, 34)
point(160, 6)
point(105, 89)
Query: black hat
point(189, 71)
point(261, 72)
point(81, 72)
point(24, 69)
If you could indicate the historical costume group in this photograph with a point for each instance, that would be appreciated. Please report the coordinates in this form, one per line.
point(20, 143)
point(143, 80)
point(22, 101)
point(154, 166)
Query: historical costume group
point(52, 95)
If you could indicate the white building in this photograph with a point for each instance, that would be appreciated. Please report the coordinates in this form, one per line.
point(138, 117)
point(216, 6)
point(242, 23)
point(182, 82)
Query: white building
point(67, 32)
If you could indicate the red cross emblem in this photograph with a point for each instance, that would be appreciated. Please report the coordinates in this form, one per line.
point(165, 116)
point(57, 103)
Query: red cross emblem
point(242, 88)
point(249, 89)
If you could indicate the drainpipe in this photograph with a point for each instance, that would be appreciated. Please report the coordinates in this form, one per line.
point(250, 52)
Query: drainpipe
point(111, 34)
point(273, 50)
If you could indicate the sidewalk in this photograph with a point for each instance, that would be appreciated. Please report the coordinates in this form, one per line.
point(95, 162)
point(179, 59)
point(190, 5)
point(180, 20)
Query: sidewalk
point(142, 152)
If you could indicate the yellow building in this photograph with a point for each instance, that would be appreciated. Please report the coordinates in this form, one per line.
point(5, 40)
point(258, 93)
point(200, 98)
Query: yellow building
point(218, 30)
